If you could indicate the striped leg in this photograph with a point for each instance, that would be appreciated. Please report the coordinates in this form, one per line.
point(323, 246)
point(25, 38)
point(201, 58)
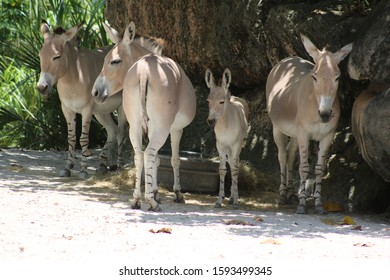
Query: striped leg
point(157, 138)
point(234, 162)
point(84, 142)
point(175, 162)
point(320, 171)
point(281, 142)
point(122, 125)
point(304, 169)
point(222, 174)
point(292, 154)
point(112, 132)
point(71, 125)
point(135, 133)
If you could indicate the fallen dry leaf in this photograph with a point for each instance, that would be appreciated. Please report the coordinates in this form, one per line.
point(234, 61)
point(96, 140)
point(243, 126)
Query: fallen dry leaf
point(271, 241)
point(161, 230)
point(348, 221)
point(237, 222)
point(357, 228)
point(258, 219)
point(69, 237)
point(363, 244)
point(333, 207)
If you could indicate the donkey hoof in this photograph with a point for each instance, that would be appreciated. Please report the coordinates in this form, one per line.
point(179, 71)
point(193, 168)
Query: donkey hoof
point(217, 205)
point(282, 200)
point(235, 205)
point(113, 168)
point(301, 209)
point(155, 209)
point(179, 198)
point(136, 204)
point(65, 173)
point(319, 210)
point(157, 198)
point(102, 169)
point(293, 199)
point(84, 175)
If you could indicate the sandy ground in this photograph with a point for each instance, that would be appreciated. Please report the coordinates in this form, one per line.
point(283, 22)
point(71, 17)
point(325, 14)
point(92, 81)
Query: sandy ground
point(44, 217)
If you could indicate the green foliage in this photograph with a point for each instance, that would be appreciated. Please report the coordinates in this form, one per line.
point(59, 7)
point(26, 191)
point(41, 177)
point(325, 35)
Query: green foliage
point(26, 119)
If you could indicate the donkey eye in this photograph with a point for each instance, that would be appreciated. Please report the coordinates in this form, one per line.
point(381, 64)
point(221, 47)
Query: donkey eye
point(314, 78)
point(56, 57)
point(116, 61)
point(222, 102)
point(337, 78)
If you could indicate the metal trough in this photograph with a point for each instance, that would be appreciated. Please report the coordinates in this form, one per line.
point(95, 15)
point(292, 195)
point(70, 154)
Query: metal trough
point(198, 174)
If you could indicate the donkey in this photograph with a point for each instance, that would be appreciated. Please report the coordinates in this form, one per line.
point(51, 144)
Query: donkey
point(74, 70)
point(229, 117)
point(158, 100)
point(303, 104)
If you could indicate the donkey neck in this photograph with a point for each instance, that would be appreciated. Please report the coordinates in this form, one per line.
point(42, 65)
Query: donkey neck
point(83, 65)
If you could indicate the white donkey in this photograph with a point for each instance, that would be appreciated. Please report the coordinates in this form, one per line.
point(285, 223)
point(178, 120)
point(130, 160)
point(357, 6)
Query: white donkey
point(229, 117)
point(74, 70)
point(303, 104)
point(158, 99)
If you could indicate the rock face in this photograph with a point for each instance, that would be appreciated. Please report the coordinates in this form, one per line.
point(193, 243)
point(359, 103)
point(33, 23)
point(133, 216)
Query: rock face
point(370, 60)
point(370, 57)
point(371, 128)
point(249, 37)
point(246, 36)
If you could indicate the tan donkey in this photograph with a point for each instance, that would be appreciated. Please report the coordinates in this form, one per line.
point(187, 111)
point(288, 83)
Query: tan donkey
point(158, 100)
point(303, 104)
point(74, 70)
point(229, 117)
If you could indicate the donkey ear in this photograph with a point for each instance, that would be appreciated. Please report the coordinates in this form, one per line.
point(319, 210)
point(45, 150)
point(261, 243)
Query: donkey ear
point(310, 47)
point(45, 31)
point(71, 33)
point(226, 78)
point(129, 35)
point(343, 52)
point(209, 78)
point(112, 33)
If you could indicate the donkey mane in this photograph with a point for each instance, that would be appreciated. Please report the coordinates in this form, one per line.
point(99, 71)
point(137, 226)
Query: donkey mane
point(59, 30)
point(154, 45)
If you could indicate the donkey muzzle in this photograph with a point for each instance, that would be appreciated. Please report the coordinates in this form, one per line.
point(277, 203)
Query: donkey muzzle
point(325, 115)
point(211, 122)
point(43, 89)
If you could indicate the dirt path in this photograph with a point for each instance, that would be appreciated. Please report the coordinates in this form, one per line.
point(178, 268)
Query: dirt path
point(44, 217)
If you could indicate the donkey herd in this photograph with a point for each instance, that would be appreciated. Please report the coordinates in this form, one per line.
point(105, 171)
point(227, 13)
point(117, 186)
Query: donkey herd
point(155, 97)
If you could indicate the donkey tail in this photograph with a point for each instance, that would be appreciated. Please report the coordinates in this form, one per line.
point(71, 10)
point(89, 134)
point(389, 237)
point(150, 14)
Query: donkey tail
point(143, 90)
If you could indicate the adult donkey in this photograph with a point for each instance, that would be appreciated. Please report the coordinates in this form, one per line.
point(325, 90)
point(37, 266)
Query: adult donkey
point(229, 116)
point(303, 104)
point(74, 70)
point(158, 99)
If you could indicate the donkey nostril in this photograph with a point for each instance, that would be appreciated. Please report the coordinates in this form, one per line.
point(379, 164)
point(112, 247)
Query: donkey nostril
point(42, 88)
point(325, 115)
point(96, 93)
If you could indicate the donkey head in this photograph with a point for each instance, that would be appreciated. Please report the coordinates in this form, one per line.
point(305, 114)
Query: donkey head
point(116, 63)
point(218, 96)
point(325, 76)
point(54, 56)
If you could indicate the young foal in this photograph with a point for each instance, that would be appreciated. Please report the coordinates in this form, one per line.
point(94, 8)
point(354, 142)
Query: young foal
point(303, 104)
point(229, 117)
point(74, 70)
point(158, 99)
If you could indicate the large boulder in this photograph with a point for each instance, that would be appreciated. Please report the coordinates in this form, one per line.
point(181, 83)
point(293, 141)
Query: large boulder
point(371, 128)
point(370, 57)
point(370, 60)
